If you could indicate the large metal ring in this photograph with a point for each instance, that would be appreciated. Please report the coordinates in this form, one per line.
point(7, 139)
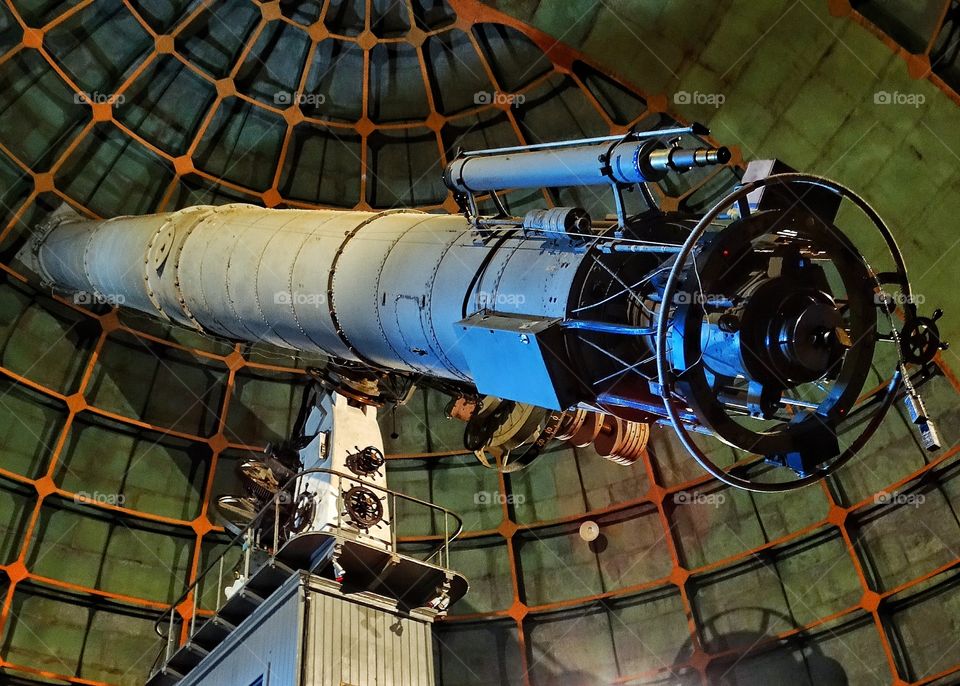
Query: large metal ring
point(666, 378)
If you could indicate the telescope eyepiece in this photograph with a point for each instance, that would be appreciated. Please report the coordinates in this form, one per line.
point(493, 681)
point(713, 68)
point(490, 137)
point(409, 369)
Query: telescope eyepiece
point(683, 159)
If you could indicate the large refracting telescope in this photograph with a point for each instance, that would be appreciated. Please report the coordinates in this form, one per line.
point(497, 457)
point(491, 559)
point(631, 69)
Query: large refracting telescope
point(760, 323)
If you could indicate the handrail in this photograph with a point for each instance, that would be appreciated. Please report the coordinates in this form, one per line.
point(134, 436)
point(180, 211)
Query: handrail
point(245, 533)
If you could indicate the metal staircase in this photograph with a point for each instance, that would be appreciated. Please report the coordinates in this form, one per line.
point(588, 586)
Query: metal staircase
point(334, 552)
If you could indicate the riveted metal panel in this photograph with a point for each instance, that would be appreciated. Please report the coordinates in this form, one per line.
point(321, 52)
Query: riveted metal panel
point(113, 240)
point(354, 286)
point(360, 644)
point(96, 256)
point(533, 279)
point(316, 244)
point(488, 281)
point(386, 288)
point(163, 276)
point(409, 296)
point(60, 254)
point(230, 227)
point(452, 296)
point(245, 272)
point(202, 290)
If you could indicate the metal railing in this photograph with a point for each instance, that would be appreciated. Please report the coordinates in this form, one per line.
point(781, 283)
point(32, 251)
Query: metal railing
point(249, 539)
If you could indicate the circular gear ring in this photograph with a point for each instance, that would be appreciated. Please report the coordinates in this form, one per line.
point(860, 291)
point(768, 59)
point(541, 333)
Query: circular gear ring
point(920, 339)
point(366, 462)
point(363, 507)
point(667, 378)
point(304, 510)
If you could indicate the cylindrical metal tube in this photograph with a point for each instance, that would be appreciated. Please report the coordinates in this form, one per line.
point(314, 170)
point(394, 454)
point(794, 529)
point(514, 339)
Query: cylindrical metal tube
point(581, 166)
point(383, 288)
point(681, 159)
point(627, 163)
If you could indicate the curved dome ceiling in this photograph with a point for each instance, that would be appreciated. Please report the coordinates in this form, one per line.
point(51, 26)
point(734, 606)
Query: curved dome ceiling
point(117, 432)
point(346, 104)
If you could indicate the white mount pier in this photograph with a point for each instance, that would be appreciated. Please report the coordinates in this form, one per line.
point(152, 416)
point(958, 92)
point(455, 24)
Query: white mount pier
point(312, 589)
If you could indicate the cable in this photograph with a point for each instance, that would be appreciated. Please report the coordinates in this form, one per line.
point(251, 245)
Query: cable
point(626, 289)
